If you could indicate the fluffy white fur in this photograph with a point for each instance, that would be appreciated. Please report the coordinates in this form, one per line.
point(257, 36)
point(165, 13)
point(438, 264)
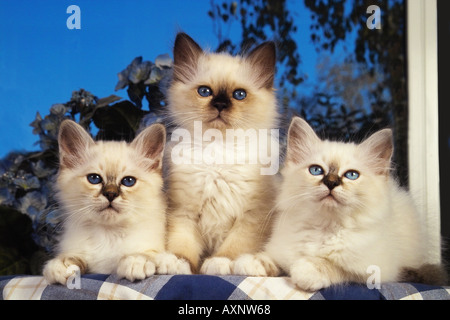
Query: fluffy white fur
point(125, 236)
point(218, 211)
point(323, 237)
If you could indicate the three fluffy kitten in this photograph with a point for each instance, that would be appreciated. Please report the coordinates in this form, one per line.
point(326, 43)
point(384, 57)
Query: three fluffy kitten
point(336, 212)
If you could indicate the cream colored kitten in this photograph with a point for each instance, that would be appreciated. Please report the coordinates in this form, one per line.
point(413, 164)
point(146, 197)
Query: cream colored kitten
point(113, 207)
point(341, 217)
point(220, 192)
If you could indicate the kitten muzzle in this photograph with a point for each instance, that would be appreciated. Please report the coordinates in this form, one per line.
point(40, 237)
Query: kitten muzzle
point(110, 192)
point(221, 101)
point(220, 106)
point(331, 181)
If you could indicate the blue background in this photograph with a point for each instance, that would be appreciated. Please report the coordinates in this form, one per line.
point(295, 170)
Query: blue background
point(42, 61)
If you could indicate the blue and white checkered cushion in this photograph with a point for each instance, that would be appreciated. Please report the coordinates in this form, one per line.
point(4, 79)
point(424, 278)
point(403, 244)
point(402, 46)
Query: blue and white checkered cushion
point(203, 287)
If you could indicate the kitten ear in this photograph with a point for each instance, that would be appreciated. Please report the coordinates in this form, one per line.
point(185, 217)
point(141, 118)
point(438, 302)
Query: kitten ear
point(300, 140)
point(73, 141)
point(185, 55)
point(379, 147)
point(150, 142)
point(263, 59)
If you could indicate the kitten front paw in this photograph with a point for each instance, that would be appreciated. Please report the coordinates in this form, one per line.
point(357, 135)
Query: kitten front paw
point(307, 276)
point(216, 266)
point(59, 269)
point(259, 265)
point(136, 267)
point(168, 263)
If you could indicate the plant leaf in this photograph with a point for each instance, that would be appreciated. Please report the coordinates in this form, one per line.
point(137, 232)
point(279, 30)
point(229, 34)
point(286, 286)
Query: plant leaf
point(119, 121)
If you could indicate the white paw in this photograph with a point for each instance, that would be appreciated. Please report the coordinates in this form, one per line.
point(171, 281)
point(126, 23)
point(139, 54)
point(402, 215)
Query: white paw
point(306, 275)
point(168, 263)
point(58, 270)
point(259, 265)
point(135, 267)
point(216, 266)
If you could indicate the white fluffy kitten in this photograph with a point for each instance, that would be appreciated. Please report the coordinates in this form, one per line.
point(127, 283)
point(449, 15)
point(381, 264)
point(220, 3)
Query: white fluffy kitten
point(339, 214)
point(218, 209)
point(110, 194)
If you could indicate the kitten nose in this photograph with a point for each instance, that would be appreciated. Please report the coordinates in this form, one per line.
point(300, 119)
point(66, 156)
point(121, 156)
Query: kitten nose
point(331, 181)
point(220, 105)
point(110, 192)
point(110, 195)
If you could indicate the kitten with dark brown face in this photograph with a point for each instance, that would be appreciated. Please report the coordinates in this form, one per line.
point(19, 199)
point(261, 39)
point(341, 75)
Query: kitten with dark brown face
point(219, 194)
point(110, 194)
point(220, 90)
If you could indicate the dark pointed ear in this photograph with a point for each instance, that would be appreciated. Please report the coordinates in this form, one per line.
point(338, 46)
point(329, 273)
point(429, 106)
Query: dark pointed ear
point(379, 148)
point(300, 140)
point(150, 143)
point(263, 59)
point(74, 142)
point(185, 55)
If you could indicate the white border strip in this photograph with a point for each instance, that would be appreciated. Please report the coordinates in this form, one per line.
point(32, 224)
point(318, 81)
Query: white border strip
point(423, 116)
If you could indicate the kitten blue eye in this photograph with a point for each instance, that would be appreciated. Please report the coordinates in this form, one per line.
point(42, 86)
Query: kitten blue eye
point(351, 174)
point(316, 170)
point(128, 181)
point(94, 178)
point(239, 94)
point(204, 91)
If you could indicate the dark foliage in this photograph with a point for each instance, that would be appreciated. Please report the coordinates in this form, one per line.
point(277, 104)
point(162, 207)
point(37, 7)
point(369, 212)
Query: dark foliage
point(382, 50)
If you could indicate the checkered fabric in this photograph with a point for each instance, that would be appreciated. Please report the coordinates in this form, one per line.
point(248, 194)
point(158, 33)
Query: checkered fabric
point(203, 287)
